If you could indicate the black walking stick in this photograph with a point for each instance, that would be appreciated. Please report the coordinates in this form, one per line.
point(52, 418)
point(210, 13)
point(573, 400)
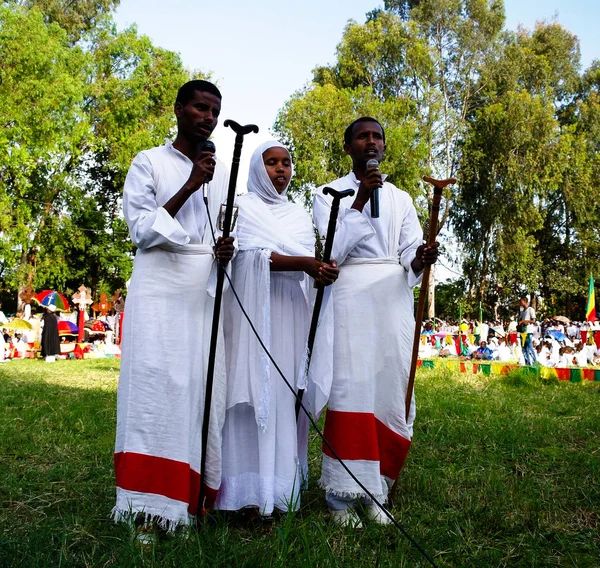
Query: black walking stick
point(335, 208)
point(240, 132)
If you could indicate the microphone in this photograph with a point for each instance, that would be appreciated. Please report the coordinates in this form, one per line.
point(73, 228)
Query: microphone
point(374, 200)
point(208, 146)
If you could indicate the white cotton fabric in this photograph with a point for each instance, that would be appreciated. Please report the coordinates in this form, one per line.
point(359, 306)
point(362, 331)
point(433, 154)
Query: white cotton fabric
point(264, 450)
point(374, 319)
point(167, 328)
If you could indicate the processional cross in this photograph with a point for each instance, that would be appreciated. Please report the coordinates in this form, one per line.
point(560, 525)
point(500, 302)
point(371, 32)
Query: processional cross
point(82, 300)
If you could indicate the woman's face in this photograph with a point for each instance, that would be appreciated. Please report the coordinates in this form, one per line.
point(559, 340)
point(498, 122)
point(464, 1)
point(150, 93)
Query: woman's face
point(279, 167)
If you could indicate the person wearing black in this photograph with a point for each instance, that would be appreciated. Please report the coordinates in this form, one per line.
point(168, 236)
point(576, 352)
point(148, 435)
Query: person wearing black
point(50, 339)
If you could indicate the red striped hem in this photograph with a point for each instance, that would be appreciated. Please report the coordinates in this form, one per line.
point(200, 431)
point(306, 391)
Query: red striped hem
point(361, 436)
point(161, 476)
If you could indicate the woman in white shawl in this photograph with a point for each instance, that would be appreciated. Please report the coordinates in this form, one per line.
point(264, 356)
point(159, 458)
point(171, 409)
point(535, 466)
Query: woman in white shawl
point(264, 449)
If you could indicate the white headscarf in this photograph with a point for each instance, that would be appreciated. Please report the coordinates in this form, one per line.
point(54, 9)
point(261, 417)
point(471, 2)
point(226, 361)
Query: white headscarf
point(258, 178)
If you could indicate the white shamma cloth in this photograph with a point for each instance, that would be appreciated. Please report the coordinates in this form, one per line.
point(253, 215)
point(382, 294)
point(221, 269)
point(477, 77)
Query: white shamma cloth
point(264, 451)
point(374, 326)
point(166, 337)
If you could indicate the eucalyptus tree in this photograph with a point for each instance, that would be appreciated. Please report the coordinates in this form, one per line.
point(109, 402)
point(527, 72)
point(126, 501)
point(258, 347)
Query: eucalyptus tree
point(74, 115)
point(524, 211)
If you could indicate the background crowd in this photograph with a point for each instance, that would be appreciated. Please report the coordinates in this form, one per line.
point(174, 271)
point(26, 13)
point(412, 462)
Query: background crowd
point(22, 336)
point(557, 342)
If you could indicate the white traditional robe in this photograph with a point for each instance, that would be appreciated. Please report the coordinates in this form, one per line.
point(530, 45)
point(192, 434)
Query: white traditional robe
point(166, 337)
point(264, 449)
point(374, 328)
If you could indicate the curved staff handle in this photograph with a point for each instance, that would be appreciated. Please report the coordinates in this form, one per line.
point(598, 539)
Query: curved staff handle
point(314, 322)
point(438, 188)
point(210, 371)
point(337, 197)
point(240, 132)
point(239, 129)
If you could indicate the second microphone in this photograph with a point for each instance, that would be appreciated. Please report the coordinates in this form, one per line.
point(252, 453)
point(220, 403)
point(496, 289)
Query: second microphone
point(374, 200)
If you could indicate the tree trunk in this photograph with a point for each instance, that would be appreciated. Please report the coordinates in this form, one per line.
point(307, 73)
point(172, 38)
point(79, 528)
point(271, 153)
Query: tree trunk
point(431, 294)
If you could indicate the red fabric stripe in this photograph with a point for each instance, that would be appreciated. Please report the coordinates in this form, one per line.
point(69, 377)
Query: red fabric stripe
point(393, 450)
point(588, 374)
point(360, 436)
point(564, 374)
point(171, 478)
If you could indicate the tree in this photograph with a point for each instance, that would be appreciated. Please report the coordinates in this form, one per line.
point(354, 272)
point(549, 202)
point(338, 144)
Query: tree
point(312, 125)
point(74, 119)
point(524, 210)
point(42, 90)
point(76, 17)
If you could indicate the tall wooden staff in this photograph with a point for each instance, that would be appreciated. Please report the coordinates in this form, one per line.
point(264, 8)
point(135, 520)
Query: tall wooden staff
point(333, 215)
point(438, 189)
point(240, 132)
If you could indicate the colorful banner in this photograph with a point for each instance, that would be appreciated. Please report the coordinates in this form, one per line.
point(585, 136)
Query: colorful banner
point(573, 374)
point(590, 311)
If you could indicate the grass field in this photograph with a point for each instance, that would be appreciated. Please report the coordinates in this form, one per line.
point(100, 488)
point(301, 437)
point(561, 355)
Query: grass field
point(504, 471)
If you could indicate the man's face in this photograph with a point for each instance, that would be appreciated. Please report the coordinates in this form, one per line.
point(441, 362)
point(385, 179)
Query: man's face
point(523, 303)
point(367, 143)
point(197, 119)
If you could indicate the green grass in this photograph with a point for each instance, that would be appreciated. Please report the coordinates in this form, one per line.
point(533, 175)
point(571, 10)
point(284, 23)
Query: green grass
point(504, 471)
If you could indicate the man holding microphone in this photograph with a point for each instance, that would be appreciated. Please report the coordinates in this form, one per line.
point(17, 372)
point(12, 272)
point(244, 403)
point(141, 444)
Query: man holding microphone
point(167, 322)
point(378, 246)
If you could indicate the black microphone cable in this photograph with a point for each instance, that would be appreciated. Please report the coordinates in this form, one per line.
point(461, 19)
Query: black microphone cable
point(305, 410)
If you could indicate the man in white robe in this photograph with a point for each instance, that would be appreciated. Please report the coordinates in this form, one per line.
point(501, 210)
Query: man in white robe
point(381, 260)
point(167, 324)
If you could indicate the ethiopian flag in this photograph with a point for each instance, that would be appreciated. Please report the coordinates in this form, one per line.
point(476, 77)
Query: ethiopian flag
point(590, 311)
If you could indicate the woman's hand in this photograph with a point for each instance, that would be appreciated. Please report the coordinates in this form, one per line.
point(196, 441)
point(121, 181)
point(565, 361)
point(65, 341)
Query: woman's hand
point(322, 272)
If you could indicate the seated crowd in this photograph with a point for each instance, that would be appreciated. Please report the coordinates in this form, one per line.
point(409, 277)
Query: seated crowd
point(556, 343)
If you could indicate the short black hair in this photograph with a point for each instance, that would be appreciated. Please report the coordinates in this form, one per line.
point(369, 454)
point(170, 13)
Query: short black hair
point(186, 92)
point(348, 131)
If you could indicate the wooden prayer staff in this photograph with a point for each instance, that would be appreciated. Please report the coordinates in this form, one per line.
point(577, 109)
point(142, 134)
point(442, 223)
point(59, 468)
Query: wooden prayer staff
point(438, 189)
point(333, 215)
point(240, 132)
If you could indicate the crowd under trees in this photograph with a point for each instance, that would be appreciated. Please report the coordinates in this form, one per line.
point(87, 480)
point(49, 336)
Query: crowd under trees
point(511, 114)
